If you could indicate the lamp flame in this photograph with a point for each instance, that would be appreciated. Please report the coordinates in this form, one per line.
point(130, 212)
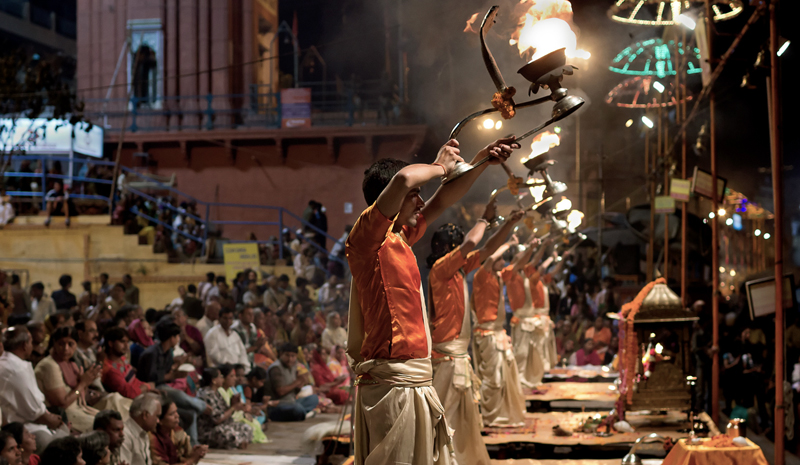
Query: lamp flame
point(563, 204)
point(471, 26)
point(574, 219)
point(545, 27)
point(537, 192)
point(542, 143)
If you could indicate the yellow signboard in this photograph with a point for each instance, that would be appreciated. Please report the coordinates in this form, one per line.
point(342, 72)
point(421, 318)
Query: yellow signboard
point(665, 204)
point(679, 189)
point(239, 257)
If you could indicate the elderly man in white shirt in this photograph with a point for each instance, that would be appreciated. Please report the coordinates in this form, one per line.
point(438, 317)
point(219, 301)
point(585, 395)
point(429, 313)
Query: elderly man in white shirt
point(209, 319)
point(222, 343)
point(334, 334)
point(20, 397)
point(145, 412)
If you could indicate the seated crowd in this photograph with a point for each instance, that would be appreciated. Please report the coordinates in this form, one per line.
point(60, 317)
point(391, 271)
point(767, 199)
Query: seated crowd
point(95, 378)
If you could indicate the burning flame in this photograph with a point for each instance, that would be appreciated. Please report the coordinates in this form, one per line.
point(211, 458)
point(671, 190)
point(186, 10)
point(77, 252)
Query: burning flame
point(574, 219)
point(542, 143)
point(563, 204)
point(537, 192)
point(471, 27)
point(544, 28)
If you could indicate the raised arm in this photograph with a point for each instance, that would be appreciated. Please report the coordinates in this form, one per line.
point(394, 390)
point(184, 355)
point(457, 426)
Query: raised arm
point(515, 216)
point(475, 234)
point(537, 257)
point(450, 193)
point(497, 238)
point(414, 176)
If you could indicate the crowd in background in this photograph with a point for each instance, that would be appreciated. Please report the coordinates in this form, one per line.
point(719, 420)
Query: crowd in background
point(211, 368)
point(224, 358)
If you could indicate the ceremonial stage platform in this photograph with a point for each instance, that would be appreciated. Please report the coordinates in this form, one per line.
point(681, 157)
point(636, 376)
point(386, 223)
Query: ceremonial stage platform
point(571, 396)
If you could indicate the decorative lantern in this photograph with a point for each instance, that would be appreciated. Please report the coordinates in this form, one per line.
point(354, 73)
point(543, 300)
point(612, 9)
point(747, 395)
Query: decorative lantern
point(655, 351)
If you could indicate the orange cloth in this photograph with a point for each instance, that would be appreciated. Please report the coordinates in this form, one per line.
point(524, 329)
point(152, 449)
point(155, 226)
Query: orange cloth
point(604, 335)
point(537, 287)
point(683, 454)
point(486, 294)
point(386, 275)
point(515, 286)
point(447, 293)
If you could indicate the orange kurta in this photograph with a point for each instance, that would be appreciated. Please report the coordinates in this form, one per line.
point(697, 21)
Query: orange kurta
point(486, 294)
point(447, 293)
point(515, 285)
point(538, 290)
point(386, 275)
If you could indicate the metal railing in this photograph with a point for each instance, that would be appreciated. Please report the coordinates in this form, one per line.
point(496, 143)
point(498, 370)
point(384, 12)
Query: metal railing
point(38, 193)
point(332, 104)
point(282, 216)
point(282, 220)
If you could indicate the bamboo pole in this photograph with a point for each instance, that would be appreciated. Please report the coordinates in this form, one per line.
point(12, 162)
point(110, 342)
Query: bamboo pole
point(777, 194)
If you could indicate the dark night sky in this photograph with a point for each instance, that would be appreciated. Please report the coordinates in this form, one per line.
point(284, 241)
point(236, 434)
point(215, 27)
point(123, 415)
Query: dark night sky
point(448, 81)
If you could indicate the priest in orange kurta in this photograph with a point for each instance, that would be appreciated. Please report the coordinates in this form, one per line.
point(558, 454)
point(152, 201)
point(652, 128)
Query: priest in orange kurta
point(502, 403)
point(452, 258)
point(398, 417)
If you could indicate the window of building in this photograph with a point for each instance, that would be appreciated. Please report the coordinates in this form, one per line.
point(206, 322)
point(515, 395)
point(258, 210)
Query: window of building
point(146, 63)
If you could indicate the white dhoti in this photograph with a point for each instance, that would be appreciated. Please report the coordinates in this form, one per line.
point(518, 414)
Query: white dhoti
point(533, 340)
point(398, 418)
point(453, 381)
point(502, 403)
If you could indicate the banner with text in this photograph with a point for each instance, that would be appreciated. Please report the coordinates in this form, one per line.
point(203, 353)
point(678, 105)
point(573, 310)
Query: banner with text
point(239, 257)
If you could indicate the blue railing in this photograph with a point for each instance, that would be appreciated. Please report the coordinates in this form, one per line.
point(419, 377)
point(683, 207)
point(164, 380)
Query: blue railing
point(209, 224)
point(38, 193)
point(332, 104)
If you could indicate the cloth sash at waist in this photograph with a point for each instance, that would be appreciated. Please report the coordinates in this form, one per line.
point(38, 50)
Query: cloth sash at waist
point(457, 348)
point(416, 372)
point(489, 327)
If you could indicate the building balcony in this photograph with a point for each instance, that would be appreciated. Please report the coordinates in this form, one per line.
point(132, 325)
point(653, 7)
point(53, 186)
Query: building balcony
point(331, 113)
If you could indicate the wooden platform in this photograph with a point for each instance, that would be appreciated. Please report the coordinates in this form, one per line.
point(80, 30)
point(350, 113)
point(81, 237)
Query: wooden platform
point(563, 395)
point(539, 429)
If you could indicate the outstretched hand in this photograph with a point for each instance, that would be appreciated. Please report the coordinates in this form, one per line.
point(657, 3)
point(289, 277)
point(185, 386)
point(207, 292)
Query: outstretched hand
point(501, 149)
point(448, 155)
point(515, 216)
point(490, 212)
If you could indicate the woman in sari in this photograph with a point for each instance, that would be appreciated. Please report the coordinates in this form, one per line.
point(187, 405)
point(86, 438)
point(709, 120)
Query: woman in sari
point(232, 397)
point(169, 443)
point(141, 335)
point(67, 386)
point(324, 379)
point(338, 364)
point(218, 429)
point(265, 356)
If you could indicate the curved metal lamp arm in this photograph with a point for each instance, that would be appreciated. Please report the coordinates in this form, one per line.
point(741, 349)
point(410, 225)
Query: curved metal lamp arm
point(458, 127)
